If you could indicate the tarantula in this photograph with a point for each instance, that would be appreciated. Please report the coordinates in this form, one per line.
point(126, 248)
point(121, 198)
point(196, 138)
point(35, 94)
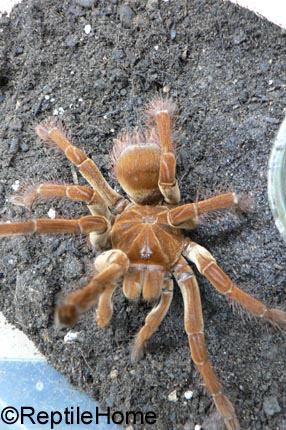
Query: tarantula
point(145, 236)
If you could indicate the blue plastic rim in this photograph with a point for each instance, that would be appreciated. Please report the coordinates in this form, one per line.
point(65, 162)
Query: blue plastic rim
point(277, 180)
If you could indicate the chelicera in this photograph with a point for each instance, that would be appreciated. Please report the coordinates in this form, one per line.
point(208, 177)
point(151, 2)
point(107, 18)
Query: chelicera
point(145, 237)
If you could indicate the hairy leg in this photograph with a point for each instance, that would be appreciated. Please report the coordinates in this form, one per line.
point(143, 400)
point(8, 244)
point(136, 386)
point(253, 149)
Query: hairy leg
point(153, 320)
point(113, 265)
point(92, 198)
point(186, 216)
point(84, 225)
point(97, 226)
point(207, 265)
point(50, 132)
point(162, 110)
point(194, 327)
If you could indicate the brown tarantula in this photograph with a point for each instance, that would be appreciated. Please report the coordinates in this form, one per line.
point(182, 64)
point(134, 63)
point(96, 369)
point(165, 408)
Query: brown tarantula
point(145, 236)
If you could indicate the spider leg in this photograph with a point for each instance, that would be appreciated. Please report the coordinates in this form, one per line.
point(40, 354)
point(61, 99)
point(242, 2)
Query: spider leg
point(88, 169)
point(194, 327)
point(208, 267)
point(92, 198)
point(97, 227)
point(167, 173)
point(104, 307)
point(153, 320)
point(132, 283)
point(186, 216)
point(113, 265)
point(85, 225)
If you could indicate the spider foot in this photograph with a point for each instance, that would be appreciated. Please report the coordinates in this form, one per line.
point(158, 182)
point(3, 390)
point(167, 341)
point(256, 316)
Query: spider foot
point(213, 421)
point(138, 350)
point(43, 129)
point(277, 318)
point(66, 315)
point(232, 424)
point(245, 204)
point(25, 197)
point(226, 409)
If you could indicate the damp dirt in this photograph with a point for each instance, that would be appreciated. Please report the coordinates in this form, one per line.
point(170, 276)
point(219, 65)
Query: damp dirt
point(95, 64)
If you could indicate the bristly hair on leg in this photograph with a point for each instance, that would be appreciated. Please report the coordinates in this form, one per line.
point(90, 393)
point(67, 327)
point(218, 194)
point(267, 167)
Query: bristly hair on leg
point(27, 193)
point(239, 310)
point(26, 196)
point(43, 128)
point(157, 105)
point(276, 317)
point(161, 104)
point(216, 217)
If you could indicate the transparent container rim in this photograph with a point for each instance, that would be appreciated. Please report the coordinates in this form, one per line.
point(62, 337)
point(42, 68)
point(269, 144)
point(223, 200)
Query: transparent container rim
point(277, 180)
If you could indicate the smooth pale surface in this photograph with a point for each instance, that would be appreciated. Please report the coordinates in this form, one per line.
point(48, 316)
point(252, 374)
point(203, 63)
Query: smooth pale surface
point(14, 344)
point(6, 5)
point(274, 10)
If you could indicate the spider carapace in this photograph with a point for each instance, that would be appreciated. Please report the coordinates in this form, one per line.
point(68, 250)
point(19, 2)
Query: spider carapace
point(145, 235)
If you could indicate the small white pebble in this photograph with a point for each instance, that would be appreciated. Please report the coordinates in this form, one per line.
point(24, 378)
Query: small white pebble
point(112, 130)
point(270, 82)
point(47, 97)
point(197, 427)
point(71, 336)
point(72, 72)
point(58, 111)
point(172, 397)
point(156, 47)
point(52, 213)
point(80, 100)
point(113, 374)
point(87, 28)
point(16, 185)
point(188, 394)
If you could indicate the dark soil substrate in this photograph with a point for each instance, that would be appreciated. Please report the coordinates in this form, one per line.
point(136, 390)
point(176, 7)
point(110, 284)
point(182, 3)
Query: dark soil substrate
point(226, 69)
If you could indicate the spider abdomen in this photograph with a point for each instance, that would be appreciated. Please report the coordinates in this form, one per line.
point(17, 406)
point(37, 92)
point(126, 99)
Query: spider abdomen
point(143, 233)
